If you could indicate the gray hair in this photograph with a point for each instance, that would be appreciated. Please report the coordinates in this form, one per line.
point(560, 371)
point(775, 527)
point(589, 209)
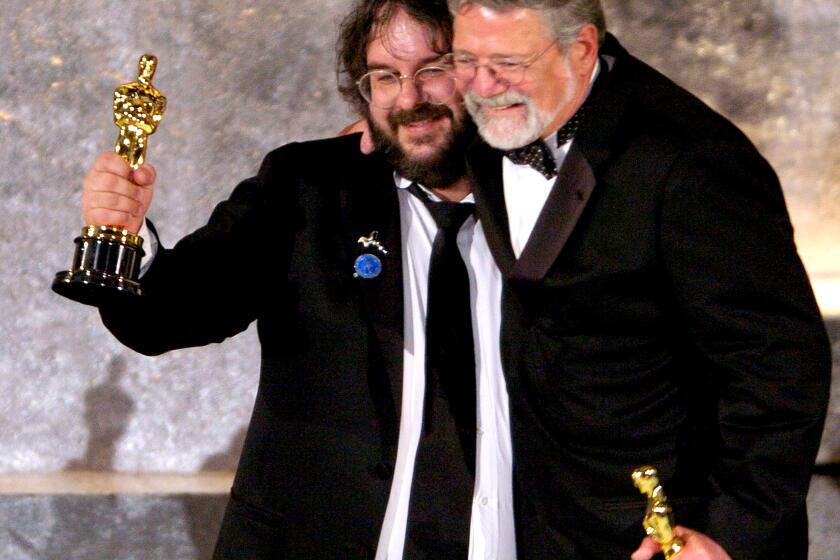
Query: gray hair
point(563, 18)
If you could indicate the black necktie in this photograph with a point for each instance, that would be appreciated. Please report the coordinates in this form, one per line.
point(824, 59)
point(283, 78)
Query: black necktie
point(444, 469)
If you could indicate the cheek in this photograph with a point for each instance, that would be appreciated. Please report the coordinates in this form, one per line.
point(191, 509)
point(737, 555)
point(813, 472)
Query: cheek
point(380, 118)
point(556, 83)
point(459, 112)
point(548, 102)
point(551, 100)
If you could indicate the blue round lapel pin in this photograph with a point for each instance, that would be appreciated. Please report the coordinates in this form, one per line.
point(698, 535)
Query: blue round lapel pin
point(368, 265)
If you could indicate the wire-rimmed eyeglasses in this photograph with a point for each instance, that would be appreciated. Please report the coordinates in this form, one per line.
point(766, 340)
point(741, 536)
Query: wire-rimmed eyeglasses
point(508, 70)
point(381, 88)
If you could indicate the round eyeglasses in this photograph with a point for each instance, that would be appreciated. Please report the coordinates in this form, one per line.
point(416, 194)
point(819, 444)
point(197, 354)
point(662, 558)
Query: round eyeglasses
point(381, 88)
point(507, 70)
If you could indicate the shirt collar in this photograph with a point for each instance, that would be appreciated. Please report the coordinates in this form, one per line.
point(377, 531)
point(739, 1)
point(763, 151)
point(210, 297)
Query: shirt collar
point(403, 183)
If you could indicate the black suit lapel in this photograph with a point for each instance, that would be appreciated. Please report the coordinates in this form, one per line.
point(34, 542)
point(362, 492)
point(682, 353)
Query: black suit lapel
point(559, 215)
point(484, 165)
point(576, 180)
point(370, 204)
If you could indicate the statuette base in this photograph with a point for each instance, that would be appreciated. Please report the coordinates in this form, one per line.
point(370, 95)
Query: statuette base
point(106, 266)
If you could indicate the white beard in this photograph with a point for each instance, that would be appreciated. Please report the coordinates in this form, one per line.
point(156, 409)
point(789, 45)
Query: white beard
point(514, 131)
point(506, 132)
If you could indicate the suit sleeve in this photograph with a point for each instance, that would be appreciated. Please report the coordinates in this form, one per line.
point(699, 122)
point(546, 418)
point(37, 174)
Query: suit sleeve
point(729, 253)
point(212, 283)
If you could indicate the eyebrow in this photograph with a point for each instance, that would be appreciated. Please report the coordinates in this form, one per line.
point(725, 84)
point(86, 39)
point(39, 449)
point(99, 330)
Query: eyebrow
point(492, 56)
point(420, 63)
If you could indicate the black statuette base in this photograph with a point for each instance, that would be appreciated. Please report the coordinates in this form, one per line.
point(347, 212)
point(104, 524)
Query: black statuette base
point(106, 266)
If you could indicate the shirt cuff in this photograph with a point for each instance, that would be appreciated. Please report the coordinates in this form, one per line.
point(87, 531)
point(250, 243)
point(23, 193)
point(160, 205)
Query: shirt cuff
point(149, 234)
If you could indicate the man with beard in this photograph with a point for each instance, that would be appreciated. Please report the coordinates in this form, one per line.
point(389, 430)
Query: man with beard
point(332, 252)
point(655, 309)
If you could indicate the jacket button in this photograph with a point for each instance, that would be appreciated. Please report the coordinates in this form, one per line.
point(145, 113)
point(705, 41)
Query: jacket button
point(383, 470)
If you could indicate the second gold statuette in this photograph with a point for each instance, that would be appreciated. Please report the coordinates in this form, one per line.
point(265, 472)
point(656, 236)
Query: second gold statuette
point(659, 518)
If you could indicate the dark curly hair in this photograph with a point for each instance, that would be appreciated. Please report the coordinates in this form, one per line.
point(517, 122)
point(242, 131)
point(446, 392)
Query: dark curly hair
point(365, 17)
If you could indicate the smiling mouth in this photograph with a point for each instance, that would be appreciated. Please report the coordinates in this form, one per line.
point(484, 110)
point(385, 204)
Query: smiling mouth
point(502, 107)
point(424, 123)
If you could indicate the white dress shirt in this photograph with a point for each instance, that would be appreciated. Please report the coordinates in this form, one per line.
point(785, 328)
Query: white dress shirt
point(526, 191)
point(492, 535)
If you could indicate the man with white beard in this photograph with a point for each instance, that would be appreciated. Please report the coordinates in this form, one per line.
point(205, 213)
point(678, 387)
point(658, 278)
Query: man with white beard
point(654, 311)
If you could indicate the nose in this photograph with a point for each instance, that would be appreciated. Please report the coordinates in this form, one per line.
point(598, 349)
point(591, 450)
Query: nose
point(485, 83)
point(409, 96)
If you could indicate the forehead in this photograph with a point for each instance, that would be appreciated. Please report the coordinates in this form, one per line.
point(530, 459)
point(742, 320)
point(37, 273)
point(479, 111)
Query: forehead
point(400, 40)
point(483, 31)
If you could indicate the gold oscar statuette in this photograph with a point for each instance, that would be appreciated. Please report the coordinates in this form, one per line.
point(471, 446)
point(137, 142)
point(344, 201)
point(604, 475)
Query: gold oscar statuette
point(659, 518)
point(106, 263)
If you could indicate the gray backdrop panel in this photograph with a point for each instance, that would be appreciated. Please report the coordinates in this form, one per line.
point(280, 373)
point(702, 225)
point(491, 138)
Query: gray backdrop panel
point(242, 78)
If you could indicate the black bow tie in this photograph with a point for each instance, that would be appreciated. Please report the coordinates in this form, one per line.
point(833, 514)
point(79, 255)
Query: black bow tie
point(539, 156)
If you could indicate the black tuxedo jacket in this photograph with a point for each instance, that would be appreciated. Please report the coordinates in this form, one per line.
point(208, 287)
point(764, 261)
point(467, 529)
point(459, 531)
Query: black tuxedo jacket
point(659, 314)
point(314, 477)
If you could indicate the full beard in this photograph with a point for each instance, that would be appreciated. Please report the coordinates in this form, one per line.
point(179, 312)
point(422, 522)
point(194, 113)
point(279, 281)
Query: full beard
point(507, 132)
point(439, 170)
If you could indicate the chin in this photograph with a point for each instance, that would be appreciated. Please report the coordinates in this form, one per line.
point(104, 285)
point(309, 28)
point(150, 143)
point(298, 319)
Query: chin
point(426, 147)
point(511, 131)
point(507, 135)
point(423, 153)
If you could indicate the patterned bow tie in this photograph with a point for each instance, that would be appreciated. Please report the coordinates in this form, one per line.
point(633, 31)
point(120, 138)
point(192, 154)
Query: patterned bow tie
point(539, 156)
point(568, 130)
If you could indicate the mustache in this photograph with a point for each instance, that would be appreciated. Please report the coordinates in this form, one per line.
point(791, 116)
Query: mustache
point(500, 100)
point(423, 112)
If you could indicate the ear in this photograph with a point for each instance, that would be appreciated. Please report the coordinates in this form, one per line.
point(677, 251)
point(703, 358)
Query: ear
point(583, 52)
